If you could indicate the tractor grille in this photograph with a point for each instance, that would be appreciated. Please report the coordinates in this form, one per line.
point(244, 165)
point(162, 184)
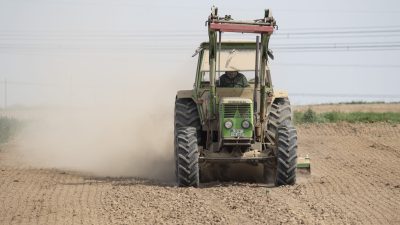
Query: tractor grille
point(242, 110)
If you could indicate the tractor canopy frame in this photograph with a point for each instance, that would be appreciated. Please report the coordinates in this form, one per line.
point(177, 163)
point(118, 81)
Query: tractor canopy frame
point(218, 25)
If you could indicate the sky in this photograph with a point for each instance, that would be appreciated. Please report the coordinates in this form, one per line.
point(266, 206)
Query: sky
point(325, 51)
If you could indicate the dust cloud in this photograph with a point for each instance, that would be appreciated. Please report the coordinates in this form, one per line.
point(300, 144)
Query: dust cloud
point(110, 128)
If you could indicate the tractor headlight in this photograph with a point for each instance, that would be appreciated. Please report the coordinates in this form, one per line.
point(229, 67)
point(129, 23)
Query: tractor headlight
point(245, 124)
point(228, 124)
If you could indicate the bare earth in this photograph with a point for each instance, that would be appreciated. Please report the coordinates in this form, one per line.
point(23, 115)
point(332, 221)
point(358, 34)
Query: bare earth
point(355, 180)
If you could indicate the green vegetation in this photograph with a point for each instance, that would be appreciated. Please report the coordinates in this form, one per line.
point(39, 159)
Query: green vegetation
point(310, 116)
point(360, 103)
point(8, 127)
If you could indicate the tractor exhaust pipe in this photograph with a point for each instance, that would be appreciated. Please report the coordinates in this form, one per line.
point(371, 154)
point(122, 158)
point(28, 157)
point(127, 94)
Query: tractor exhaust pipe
point(257, 127)
point(264, 59)
point(256, 75)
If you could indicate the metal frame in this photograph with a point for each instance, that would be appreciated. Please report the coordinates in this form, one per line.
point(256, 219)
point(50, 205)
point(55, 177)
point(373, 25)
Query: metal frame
point(241, 28)
point(216, 24)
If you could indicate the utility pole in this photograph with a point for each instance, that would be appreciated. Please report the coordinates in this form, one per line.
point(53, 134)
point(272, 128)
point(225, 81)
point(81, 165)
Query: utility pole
point(5, 94)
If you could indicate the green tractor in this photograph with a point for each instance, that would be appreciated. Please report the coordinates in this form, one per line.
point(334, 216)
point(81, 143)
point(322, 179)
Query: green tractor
point(217, 125)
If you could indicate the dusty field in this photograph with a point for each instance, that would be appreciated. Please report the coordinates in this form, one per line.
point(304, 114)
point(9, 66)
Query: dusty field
point(389, 107)
point(355, 180)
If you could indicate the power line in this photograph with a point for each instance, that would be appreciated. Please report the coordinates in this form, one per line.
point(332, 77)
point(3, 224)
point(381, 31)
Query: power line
point(287, 47)
point(295, 46)
point(352, 36)
point(337, 50)
point(343, 11)
point(341, 32)
point(174, 50)
point(161, 35)
point(336, 65)
point(174, 37)
point(312, 31)
point(338, 46)
point(334, 44)
point(343, 28)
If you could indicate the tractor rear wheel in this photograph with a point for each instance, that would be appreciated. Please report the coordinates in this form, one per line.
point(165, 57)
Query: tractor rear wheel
point(187, 157)
point(286, 156)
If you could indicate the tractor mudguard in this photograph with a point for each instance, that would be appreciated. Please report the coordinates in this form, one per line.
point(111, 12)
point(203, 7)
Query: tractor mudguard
point(184, 94)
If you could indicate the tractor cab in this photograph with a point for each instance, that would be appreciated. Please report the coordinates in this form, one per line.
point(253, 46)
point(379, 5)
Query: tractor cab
point(236, 56)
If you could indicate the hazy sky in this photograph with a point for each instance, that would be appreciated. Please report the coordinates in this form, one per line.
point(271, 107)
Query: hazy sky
point(52, 48)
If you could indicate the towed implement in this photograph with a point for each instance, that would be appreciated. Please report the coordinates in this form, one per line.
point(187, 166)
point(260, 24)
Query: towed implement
point(218, 126)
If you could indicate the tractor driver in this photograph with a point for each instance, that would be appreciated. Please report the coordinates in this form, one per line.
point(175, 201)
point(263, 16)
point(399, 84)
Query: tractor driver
point(233, 79)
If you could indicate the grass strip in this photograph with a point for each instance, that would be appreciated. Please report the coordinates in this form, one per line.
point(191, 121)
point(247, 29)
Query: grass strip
point(310, 116)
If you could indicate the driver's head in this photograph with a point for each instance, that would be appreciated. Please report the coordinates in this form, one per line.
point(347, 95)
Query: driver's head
point(232, 74)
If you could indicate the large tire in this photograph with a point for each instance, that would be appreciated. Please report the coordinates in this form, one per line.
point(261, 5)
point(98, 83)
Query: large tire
point(283, 135)
point(187, 157)
point(280, 115)
point(286, 156)
point(186, 115)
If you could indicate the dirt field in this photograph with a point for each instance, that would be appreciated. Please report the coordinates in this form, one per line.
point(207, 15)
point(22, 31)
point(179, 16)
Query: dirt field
point(355, 180)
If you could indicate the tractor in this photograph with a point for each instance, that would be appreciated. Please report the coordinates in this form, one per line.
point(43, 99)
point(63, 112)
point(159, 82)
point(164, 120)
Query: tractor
point(217, 125)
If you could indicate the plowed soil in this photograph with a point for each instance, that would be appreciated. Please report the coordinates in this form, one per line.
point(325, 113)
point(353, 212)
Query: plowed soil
point(355, 180)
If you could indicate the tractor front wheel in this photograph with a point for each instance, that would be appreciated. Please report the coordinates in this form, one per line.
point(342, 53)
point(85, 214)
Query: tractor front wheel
point(187, 157)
